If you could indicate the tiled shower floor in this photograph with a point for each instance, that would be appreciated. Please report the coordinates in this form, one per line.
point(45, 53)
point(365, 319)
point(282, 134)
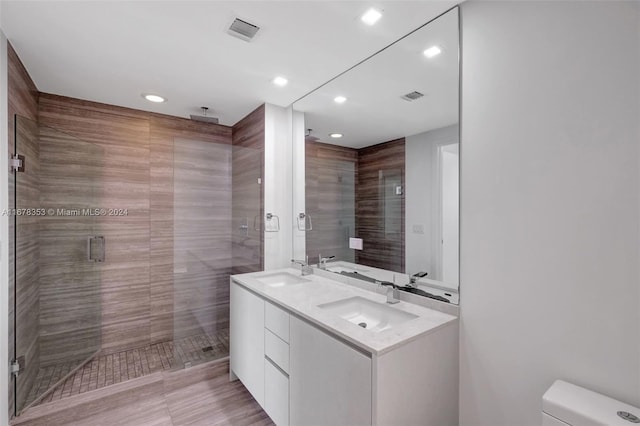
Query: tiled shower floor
point(105, 370)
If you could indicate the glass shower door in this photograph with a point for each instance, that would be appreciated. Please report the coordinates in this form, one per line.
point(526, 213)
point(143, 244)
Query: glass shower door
point(58, 249)
point(201, 250)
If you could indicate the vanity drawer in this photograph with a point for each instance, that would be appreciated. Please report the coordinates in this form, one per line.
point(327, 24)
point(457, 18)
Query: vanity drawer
point(277, 320)
point(276, 350)
point(276, 398)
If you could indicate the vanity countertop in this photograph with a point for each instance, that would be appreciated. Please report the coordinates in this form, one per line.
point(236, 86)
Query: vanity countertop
point(303, 300)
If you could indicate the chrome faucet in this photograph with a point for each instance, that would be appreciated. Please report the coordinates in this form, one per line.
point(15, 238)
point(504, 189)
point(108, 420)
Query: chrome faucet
point(413, 280)
point(322, 261)
point(305, 268)
point(393, 294)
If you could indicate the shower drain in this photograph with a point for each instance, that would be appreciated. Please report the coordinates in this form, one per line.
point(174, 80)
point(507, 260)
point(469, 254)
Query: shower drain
point(363, 324)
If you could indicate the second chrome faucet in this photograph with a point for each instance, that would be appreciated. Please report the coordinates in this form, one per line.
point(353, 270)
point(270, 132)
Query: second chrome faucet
point(305, 268)
point(393, 294)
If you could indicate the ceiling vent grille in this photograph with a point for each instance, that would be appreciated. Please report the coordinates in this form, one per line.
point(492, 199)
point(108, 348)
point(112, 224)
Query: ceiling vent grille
point(412, 96)
point(243, 29)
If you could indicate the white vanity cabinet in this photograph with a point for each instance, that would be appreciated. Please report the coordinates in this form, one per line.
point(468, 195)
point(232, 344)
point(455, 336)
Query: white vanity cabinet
point(259, 351)
point(276, 363)
point(330, 382)
point(304, 374)
point(246, 329)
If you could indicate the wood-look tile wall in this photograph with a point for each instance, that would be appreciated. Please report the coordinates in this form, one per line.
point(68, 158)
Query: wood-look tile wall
point(331, 173)
point(380, 227)
point(137, 173)
point(202, 237)
point(123, 137)
point(70, 289)
point(248, 206)
point(163, 132)
point(117, 158)
point(23, 100)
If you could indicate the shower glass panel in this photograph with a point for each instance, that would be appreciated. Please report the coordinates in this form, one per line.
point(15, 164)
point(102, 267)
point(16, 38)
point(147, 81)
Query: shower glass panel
point(330, 201)
point(202, 250)
point(248, 209)
point(58, 251)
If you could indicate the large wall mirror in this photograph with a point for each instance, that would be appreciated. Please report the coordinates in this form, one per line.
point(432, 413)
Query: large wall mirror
point(381, 164)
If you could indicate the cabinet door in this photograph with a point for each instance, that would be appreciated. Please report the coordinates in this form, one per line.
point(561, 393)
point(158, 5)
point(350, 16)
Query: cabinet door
point(329, 381)
point(276, 398)
point(246, 340)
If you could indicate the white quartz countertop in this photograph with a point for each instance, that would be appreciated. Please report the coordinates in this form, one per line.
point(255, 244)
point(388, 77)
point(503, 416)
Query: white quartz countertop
point(303, 300)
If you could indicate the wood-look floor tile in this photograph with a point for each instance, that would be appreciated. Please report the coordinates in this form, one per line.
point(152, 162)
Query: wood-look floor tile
point(215, 401)
point(201, 395)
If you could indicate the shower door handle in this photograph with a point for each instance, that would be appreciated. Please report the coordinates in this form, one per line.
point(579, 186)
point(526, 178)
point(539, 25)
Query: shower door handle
point(244, 227)
point(96, 248)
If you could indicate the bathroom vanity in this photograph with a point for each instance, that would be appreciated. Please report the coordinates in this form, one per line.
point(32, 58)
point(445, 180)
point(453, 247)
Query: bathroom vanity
point(312, 350)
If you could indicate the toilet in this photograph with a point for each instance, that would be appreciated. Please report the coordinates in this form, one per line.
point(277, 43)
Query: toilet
point(566, 404)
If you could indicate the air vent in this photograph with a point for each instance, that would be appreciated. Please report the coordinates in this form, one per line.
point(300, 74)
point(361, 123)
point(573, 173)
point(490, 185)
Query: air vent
point(243, 29)
point(412, 96)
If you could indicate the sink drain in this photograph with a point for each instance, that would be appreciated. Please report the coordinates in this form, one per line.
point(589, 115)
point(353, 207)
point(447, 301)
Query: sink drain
point(363, 324)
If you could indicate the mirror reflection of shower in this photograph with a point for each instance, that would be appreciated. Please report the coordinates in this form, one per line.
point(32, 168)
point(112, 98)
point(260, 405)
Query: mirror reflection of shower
point(398, 148)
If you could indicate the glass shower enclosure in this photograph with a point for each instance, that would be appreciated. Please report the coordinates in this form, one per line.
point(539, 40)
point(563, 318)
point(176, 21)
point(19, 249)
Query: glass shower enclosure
point(217, 231)
point(57, 248)
point(201, 250)
point(63, 266)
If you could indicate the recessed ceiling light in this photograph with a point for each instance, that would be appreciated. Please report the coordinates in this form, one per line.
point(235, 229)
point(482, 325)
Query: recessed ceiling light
point(280, 81)
point(335, 135)
point(339, 99)
point(432, 51)
point(371, 16)
point(154, 98)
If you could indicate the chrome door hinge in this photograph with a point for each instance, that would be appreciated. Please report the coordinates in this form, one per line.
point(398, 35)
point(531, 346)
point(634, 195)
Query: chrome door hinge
point(17, 365)
point(16, 163)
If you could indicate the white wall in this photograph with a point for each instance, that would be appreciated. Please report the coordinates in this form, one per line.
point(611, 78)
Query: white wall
point(298, 184)
point(550, 204)
point(422, 200)
point(450, 212)
point(277, 186)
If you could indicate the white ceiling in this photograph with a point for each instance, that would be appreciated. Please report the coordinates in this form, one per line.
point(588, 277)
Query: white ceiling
point(374, 111)
point(112, 51)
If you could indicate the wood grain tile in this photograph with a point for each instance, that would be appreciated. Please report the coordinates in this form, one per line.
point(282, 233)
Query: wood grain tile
point(123, 173)
point(164, 132)
point(131, 155)
point(248, 193)
point(202, 238)
point(206, 397)
point(380, 216)
point(330, 200)
point(200, 395)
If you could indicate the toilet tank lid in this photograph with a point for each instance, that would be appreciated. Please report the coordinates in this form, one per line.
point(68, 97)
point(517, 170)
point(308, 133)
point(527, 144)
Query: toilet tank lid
point(579, 406)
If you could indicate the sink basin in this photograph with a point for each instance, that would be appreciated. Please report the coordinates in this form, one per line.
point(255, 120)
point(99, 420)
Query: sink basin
point(368, 314)
point(338, 269)
point(281, 279)
point(340, 266)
